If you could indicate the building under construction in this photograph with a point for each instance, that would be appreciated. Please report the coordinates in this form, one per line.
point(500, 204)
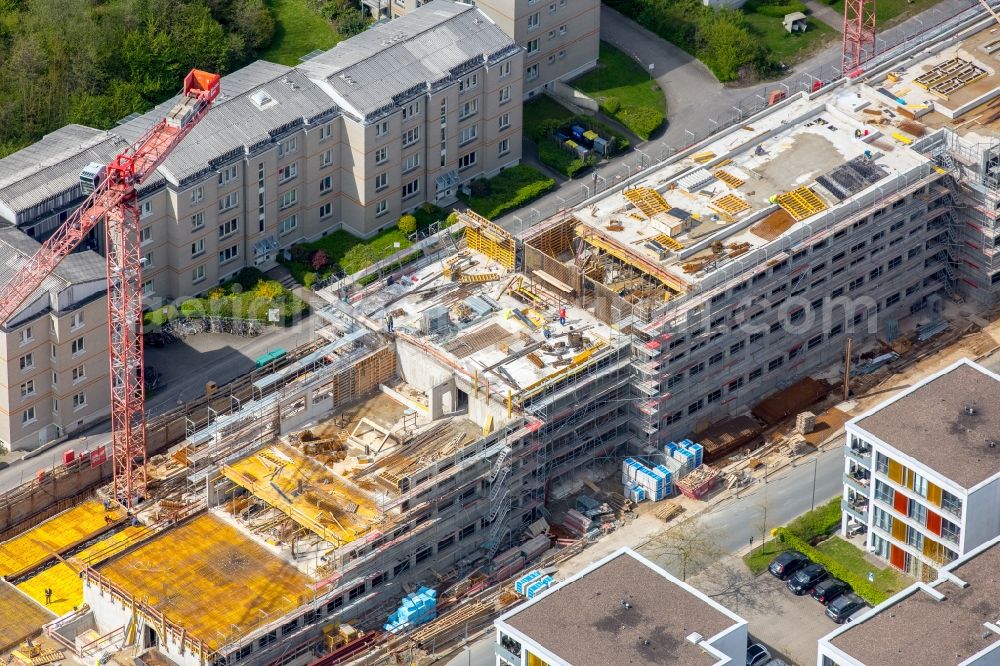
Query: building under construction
point(445, 408)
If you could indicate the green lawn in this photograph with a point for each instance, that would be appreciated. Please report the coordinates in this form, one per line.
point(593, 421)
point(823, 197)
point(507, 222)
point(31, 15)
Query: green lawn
point(539, 110)
point(888, 581)
point(824, 519)
point(786, 47)
point(298, 30)
point(510, 189)
point(888, 12)
point(625, 91)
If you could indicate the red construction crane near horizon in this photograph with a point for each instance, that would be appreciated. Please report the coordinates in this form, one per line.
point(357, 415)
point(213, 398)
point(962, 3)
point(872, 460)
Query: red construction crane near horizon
point(114, 201)
point(859, 34)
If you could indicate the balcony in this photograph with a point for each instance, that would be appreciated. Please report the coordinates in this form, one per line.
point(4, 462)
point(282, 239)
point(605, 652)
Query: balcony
point(506, 655)
point(858, 483)
point(857, 510)
point(858, 455)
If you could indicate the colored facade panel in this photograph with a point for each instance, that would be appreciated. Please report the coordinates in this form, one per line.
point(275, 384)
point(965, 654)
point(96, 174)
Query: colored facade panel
point(534, 660)
point(899, 530)
point(896, 471)
point(933, 494)
point(934, 522)
point(897, 557)
point(900, 502)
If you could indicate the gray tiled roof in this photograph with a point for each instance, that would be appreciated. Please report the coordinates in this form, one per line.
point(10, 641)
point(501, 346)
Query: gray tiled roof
point(367, 71)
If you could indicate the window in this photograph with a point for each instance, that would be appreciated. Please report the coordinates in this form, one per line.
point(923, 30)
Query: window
point(231, 200)
point(28, 388)
point(469, 108)
point(77, 320)
point(503, 147)
point(326, 184)
point(26, 336)
point(325, 132)
point(914, 537)
point(469, 134)
point(883, 520)
point(411, 109)
point(716, 358)
point(695, 407)
point(228, 174)
point(411, 162)
point(411, 189)
point(775, 363)
point(77, 346)
point(815, 341)
point(881, 463)
point(531, 46)
point(381, 155)
point(147, 260)
point(883, 493)
point(755, 374)
point(504, 69)
point(145, 209)
point(288, 224)
point(288, 199)
point(228, 254)
point(411, 136)
point(919, 484)
point(469, 82)
point(531, 73)
point(197, 221)
point(28, 415)
point(326, 159)
point(79, 400)
point(918, 512)
point(198, 247)
point(381, 181)
point(198, 274)
point(562, 30)
point(467, 160)
point(147, 287)
point(504, 121)
point(228, 228)
point(949, 503)
point(950, 531)
point(288, 172)
point(197, 194)
point(714, 396)
point(382, 128)
point(697, 369)
point(735, 385)
point(326, 210)
point(287, 146)
point(381, 208)
point(505, 94)
point(737, 347)
point(533, 22)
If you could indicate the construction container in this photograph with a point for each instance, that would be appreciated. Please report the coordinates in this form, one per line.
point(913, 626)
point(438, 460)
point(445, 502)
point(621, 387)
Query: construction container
point(68, 457)
point(522, 583)
point(699, 483)
point(539, 586)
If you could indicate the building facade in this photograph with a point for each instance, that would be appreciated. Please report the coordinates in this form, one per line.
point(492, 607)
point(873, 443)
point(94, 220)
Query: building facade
point(54, 369)
point(402, 114)
point(922, 471)
point(561, 38)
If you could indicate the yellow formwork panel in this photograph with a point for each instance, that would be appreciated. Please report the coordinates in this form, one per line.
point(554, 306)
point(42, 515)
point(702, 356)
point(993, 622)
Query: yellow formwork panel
point(647, 200)
point(307, 492)
point(64, 578)
point(801, 203)
point(669, 242)
point(210, 579)
point(19, 617)
point(730, 204)
point(490, 240)
point(55, 535)
point(728, 178)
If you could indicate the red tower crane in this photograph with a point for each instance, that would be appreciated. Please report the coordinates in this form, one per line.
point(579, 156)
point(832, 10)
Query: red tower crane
point(112, 199)
point(859, 34)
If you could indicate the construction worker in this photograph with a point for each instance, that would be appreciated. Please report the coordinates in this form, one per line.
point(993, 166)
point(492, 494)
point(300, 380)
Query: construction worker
point(562, 315)
point(388, 323)
point(48, 596)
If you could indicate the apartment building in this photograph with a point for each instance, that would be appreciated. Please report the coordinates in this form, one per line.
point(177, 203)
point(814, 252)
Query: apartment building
point(922, 470)
point(353, 138)
point(951, 621)
point(54, 369)
point(561, 38)
point(622, 609)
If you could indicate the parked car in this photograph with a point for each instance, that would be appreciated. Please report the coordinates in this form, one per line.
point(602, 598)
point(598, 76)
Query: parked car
point(829, 589)
point(843, 607)
point(787, 563)
point(757, 655)
point(154, 339)
point(805, 579)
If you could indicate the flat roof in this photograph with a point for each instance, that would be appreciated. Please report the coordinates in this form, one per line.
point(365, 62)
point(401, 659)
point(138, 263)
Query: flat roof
point(20, 617)
point(923, 628)
point(207, 577)
point(932, 423)
point(585, 621)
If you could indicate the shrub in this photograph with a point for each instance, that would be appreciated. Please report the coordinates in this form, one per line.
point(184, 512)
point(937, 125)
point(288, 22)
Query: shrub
point(867, 591)
point(193, 307)
point(249, 277)
point(309, 279)
point(269, 289)
point(407, 224)
point(319, 260)
point(217, 292)
point(301, 253)
point(821, 521)
point(643, 120)
point(777, 11)
point(480, 187)
point(547, 128)
point(611, 105)
point(451, 219)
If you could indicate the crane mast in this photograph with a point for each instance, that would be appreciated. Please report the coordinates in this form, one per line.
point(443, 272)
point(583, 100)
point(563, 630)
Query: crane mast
point(113, 200)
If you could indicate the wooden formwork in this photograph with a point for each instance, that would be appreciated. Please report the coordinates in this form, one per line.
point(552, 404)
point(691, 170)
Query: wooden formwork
point(801, 203)
point(490, 240)
point(648, 200)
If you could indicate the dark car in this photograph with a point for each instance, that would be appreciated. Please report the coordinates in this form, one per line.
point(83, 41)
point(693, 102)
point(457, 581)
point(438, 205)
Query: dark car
point(787, 563)
point(757, 655)
point(803, 580)
point(843, 607)
point(154, 339)
point(829, 589)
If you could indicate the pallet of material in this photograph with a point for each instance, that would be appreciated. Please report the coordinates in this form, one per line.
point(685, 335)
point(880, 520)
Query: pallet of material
point(735, 434)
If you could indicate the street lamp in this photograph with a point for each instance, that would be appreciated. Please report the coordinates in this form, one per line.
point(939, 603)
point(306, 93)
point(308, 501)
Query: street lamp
point(815, 469)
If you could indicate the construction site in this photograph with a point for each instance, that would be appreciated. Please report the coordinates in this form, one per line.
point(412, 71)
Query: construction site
point(443, 424)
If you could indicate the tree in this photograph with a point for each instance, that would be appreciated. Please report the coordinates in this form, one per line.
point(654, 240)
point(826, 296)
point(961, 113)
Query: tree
point(252, 20)
point(734, 585)
point(407, 224)
point(685, 549)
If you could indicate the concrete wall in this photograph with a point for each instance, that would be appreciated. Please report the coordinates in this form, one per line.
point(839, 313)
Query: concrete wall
point(982, 520)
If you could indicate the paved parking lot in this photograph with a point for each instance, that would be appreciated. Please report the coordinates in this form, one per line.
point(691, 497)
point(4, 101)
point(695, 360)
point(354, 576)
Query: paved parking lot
point(788, 624)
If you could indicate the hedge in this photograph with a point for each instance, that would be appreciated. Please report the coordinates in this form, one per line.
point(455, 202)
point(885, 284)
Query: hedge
point(859, 583)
